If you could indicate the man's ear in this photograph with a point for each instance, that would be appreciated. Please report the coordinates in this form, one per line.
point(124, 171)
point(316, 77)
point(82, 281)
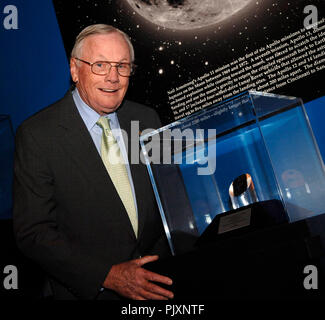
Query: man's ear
point(74, 70)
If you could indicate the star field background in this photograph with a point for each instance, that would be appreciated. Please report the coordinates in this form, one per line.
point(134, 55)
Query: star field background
point(168, 58)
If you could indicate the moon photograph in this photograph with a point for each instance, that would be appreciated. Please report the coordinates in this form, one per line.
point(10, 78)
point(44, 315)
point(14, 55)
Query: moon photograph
point(178, 41)
point(186, 14)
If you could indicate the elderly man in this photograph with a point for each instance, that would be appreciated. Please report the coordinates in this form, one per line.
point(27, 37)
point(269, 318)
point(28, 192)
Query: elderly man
point(84, 212)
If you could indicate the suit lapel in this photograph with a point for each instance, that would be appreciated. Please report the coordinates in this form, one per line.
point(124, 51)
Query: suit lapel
point(82, 150)
point(138, 170)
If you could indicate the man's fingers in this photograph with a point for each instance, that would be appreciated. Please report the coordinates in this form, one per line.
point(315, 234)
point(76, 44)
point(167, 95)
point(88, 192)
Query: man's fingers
point(140, 297)
point(131, 280)
point(152, 276)
point(152, 296)
point(141, 261)
point(155, 289)
point(155, 277)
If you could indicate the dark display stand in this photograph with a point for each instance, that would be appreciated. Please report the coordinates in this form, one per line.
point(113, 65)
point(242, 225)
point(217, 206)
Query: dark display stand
point(263, 264)
point(261, 215)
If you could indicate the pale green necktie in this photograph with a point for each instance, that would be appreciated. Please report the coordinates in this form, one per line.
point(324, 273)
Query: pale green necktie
point(114, 163)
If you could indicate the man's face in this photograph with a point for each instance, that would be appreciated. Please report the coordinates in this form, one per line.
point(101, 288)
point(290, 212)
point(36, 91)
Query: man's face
point(102, 93)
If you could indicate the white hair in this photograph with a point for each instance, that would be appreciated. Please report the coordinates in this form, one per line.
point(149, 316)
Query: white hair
point(98, 29)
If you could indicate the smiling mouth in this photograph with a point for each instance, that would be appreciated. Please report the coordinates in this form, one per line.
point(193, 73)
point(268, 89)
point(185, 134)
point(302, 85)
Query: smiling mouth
point(108, 90)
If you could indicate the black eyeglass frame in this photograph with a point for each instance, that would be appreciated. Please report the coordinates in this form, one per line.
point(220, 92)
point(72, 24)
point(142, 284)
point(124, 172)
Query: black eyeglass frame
point(132, 65)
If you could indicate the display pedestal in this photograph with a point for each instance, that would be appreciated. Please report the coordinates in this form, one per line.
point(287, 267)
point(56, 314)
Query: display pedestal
point(237, 222)
point(267, 263)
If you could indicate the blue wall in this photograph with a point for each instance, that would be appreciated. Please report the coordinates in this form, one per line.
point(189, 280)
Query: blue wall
point(34, 73)
point(34, 67)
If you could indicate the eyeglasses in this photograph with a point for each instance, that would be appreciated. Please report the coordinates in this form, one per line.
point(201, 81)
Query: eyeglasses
point(102, 68)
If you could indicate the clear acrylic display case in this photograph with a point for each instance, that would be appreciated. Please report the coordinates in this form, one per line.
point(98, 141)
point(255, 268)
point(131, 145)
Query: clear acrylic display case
point(256, 141)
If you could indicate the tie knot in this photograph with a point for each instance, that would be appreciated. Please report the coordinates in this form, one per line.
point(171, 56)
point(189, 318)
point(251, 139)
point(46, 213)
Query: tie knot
point(103, 122)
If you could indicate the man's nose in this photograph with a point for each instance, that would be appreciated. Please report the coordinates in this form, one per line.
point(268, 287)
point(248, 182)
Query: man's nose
point(112, 75)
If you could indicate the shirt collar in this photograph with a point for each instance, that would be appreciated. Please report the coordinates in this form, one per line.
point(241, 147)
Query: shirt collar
point(89, 115)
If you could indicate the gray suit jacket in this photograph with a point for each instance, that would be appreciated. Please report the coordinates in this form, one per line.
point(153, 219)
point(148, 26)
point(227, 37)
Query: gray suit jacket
point(67, 214)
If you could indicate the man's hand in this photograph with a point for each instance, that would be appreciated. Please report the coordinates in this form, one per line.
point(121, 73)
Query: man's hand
point(130, 280)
